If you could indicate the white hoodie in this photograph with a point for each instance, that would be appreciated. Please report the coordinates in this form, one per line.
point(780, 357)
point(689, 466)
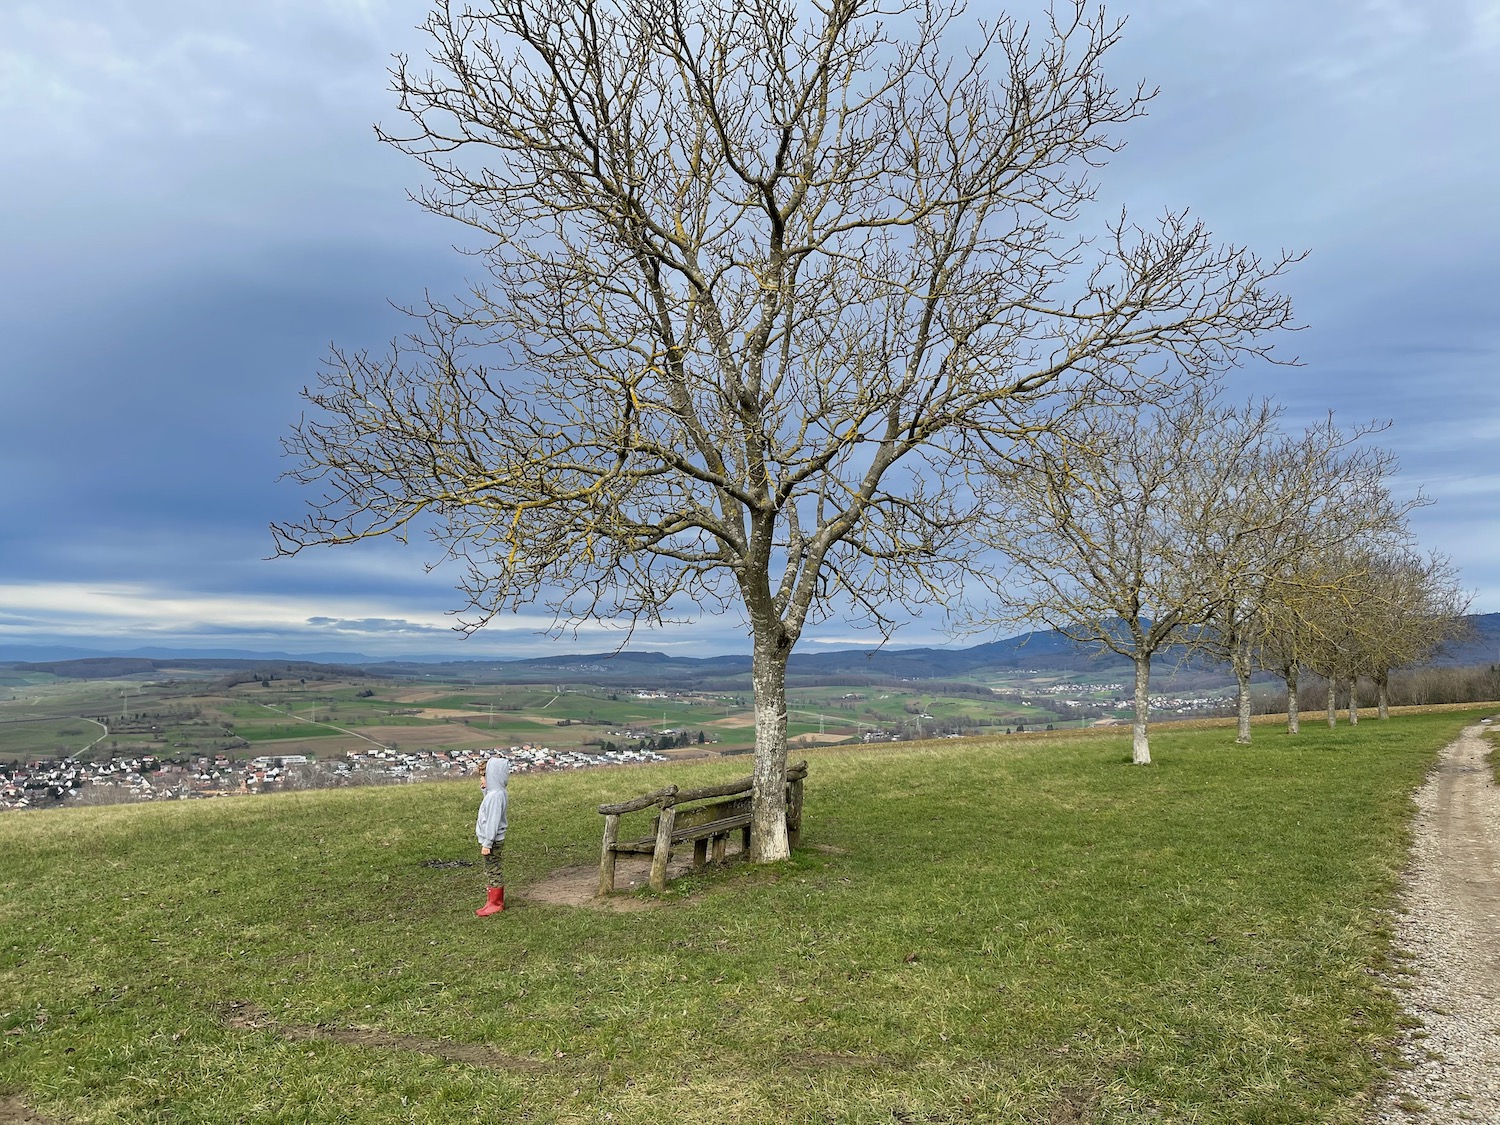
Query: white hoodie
point(490, 827)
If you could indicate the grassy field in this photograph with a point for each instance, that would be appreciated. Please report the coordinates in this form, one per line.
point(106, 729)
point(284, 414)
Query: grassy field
point(60, 737)
point(1004, 931)
point(182, 717)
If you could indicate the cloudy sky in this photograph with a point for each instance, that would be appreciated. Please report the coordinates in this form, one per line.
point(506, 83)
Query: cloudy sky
point(195, 207)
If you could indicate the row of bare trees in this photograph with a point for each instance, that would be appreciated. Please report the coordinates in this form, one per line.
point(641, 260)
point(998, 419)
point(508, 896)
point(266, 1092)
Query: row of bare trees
point(1192, 525)
point(1421, 686)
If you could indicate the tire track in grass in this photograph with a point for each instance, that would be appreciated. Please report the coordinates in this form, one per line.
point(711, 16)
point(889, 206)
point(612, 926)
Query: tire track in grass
point(241, 1015)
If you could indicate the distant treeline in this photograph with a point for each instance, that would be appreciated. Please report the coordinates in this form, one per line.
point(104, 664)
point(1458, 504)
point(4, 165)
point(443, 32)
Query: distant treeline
point(92, 667)
point(1417, 687)
point(241, 671)
point(301, 672)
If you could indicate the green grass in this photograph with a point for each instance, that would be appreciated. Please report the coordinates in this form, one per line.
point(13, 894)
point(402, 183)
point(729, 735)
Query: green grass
point(46, 737)
point(1006, 931)
point(272, 731)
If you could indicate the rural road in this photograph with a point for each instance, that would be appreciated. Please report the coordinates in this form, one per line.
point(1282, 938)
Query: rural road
point(1448, 937)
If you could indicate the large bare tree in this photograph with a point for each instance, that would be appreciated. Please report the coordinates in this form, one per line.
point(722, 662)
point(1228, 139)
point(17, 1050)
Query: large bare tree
point(1123, 525)
point(758, 276)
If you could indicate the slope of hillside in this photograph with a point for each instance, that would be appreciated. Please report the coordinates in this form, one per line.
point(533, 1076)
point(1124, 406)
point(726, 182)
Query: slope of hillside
point(1017, 931)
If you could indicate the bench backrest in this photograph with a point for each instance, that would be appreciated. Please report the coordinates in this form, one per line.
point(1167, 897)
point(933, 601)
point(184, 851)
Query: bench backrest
point(722, 809)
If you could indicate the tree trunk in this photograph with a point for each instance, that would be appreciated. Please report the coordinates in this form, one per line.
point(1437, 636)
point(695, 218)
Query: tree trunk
point(1140, 743)
point(768, 840)
point(1353, 701)
point(1293, 719)
point(1383, 694)
point(1333, 701)
point(1241, 661)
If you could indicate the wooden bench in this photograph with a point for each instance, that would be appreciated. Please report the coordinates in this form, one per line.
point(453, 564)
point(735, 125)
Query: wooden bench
point(704, 816)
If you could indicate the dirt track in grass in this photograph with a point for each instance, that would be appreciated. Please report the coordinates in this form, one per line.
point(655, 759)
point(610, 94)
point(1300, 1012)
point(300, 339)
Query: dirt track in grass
point(1448, 944)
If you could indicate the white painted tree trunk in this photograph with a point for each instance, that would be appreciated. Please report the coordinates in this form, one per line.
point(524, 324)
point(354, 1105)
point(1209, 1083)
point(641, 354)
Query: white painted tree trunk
point(1353, 702)
point(1293, 719)
point(768, 842)
point(1140, 742)
point(1333, 702)
point(1242, 680)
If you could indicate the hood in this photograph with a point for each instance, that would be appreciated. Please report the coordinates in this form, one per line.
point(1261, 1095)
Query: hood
point(496, 773)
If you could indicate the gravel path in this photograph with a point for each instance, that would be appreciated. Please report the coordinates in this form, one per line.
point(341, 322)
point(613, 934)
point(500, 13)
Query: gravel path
point(1448, 941)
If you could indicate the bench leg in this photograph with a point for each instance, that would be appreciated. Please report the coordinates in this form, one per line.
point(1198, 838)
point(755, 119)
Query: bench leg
point(700, 852)
point(607, 856)
point(663, 849)
point(794, 815)
point(745, 839)
point(721, 842)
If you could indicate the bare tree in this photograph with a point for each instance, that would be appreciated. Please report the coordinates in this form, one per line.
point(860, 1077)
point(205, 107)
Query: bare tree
point(1414, 606)
point(760, 276)
point(1286, 520)
point(1119, 525)
point(1337, 626)
point(1288, 627)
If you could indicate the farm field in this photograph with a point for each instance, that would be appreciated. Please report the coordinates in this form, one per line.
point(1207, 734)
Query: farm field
point(985, 930)
point(322, 717)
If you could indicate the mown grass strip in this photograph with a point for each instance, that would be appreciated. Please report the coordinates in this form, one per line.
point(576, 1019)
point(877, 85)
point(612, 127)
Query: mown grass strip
point(977, 931)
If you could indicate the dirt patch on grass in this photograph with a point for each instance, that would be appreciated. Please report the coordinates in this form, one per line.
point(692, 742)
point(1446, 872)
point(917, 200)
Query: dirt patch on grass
point(414, 694)
point(13, 1111)
point(241, 1015)
point(577, 886)
point(731, 722)
point(1074, 1105)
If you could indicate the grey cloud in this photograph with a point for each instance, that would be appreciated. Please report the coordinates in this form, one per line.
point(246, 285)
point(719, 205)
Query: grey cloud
point(198, 207)
point(374, 625)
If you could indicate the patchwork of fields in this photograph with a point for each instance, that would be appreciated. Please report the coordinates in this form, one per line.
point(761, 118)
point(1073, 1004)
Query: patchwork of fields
point(42, 717)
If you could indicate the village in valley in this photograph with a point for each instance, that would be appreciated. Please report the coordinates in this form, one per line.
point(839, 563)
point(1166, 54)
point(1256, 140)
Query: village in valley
point(81, 732)
point(43, 784)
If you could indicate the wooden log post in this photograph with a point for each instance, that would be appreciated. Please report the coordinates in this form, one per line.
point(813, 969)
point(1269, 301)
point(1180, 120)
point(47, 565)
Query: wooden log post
point(663, 850)
point(794, 814)
point(721, 844)
point(607, 856)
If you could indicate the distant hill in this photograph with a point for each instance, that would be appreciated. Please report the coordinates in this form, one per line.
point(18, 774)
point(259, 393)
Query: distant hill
point(12, 654)
point(119, 667)
point(1043, 650)
point(1482, 646)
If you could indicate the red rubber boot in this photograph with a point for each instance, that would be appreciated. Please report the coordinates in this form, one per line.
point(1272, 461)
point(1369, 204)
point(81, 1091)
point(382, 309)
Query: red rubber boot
point(494, 904)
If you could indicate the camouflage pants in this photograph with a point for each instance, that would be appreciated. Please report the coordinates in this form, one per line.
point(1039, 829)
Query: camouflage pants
point(494, 865)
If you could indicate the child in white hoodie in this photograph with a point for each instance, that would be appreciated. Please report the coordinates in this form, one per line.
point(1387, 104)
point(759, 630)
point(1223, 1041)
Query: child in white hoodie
point(490, 828)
